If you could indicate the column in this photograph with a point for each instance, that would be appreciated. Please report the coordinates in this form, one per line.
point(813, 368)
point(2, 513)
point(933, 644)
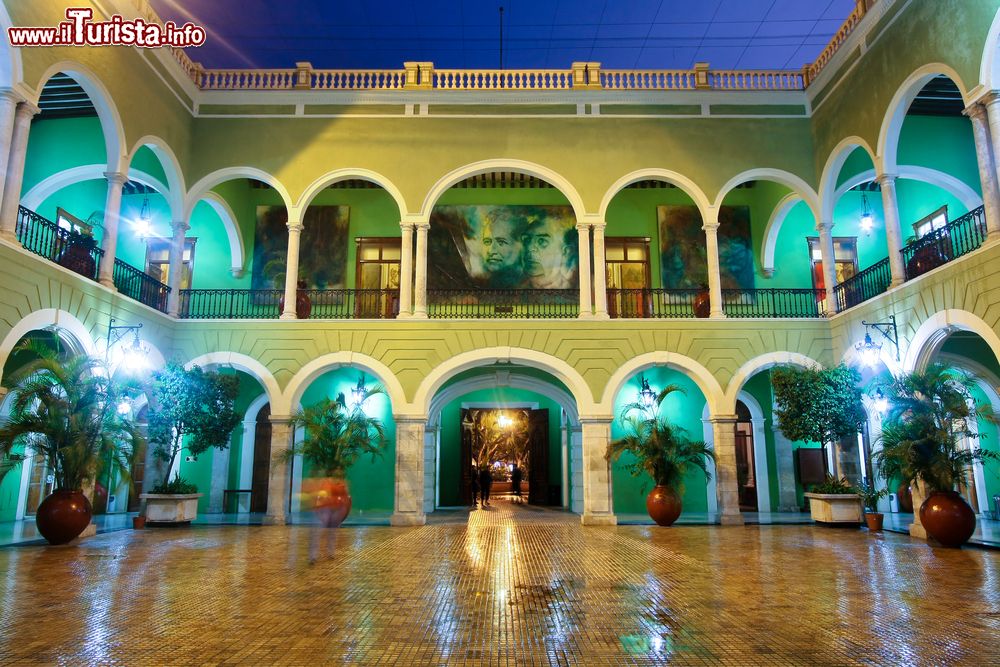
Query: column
point(787, 500)
point(711, 228)
point(112, 215)
point(983, 130)
point(600, 274)
point(825, 229)
point(726, 485)
point(409, 510)
point(431, 435)
point(220, 479)
point(893, 234)
point(277, 483)
point(586, 309)
point(575, 468)
point(176, 267)
point(406, 270)
point(14, 175)
point(292, 269)
point(8, 109)
point(420, 279)
point(598, 507)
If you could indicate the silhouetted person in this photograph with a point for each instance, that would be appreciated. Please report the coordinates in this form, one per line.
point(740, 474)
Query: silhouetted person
point(515, 480)
point(475, 486)
point(485, 482)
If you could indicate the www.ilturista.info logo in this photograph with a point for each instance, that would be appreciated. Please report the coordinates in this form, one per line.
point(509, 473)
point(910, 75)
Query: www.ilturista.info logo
point(79, 30)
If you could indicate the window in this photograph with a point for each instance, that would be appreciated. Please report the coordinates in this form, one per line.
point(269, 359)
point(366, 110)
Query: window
point(627, 268)
point(71, 223)
point(377, 270)
point(845, 256)
point(158, 261)
point(933, 222)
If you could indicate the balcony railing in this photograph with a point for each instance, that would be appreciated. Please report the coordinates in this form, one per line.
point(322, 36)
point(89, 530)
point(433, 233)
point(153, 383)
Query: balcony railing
point(43, 237)
point(863, 285)
point(230, 304)
point(346, 304)
point(502, 303)
point(959, 237)
point(657, 303)
point(315, 304)
point(774, 302)
point(140, 286)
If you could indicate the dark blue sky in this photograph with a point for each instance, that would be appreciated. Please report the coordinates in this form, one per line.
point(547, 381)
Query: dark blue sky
point(640, 34)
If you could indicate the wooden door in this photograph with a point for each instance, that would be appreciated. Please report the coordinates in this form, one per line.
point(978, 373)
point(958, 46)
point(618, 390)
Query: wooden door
point(627, 268)
point(745, 472)
point(377, 277)
point(261, 460)
point(538, 457)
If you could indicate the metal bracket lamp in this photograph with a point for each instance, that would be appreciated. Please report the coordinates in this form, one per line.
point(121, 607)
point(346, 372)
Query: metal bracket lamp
point(869, 350)
point(134, 356)
point(647, 397)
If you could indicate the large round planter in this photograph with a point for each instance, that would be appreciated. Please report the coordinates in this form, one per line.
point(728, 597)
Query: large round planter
point(63, 516)
point(904, 498)
point(339, 503)
point(663, 505)
point(702, 304)
point(927, 258)
point(874, 521)
point(948, 518)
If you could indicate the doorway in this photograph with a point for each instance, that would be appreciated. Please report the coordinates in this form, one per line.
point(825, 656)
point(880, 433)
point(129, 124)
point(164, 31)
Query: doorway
point(502, 440)
point(261, 460)
point(746, 473)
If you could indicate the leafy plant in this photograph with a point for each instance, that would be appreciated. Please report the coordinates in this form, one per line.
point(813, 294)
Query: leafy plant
point(834, 486)
point(175, 486)
point(660, 449)
point(191, 410)
point(65, 408)
point(821, 405)
point(336, 436)
point(929, 412)
point(871, 495)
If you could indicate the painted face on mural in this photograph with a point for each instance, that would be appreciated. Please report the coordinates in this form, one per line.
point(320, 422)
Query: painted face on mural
point(501, 245)
point(546, 255)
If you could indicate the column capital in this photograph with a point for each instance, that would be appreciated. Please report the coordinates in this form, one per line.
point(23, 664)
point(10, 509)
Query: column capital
point(405, 225)
point(825, 226)
point(990, 98)
point(280, 420)
point(295, 227)
point(583, 226)
point(887, 179)
point(180, 226)
point(27, 109)
point(975, 111)
point(422, 226)
point(599, 225)
point(11, 95)
point(710, 226)
point(116, 177)
point(723, 419)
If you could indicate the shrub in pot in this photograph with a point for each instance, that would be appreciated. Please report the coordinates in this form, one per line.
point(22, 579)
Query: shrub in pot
point(191, 410)
point(870, 497)
point(835, 501)
point(334, 437)
point(929, 413)
point(65, 408)
point(661, 450)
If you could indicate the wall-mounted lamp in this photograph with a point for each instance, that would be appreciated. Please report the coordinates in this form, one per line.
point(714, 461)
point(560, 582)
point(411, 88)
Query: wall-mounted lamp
point(358, 393)
point(880, 403)
point(869, 351)
point(867, 219)
point(135, 358)
point(647, 397)
point(143, 225)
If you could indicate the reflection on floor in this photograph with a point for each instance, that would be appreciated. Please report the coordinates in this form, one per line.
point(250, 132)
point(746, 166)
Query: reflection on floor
point(509, 585)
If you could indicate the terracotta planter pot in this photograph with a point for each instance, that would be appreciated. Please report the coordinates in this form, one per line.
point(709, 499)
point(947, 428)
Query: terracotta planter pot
point(663, 505)
point(138, 522)
point(948, 518)
point(63, 516)
point(874, 520)
point(702, 304)
point(904, 498)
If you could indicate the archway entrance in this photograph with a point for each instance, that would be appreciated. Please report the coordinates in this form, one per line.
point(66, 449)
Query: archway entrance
point(510, 448)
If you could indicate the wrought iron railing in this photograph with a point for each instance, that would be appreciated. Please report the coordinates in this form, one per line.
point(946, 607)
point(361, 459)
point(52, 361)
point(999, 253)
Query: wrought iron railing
point(959, 237)
point(863, 285)
point(230, 304)
point(502, 303)
point(140, 286)
point(774, 302)
point(341, 304)
point(76, 252)
point(657, 303)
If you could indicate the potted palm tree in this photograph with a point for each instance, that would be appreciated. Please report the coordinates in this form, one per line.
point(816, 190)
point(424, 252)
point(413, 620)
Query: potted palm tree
point(65, 408)
point(930, 414)
point(870, 496)
point(661, 450)
point(190, 410)
point(334, 437)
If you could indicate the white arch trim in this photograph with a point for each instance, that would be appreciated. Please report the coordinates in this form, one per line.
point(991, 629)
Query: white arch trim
point(558, 368)
point(989, 72)
point(111, 121)
point(246, 364)
point(237, 251)
point(301, 380)
point(514, 381)
point(220, 176)
point(47, 318)
point(761, 472)
point(892, 122)
point(831, 172)
point(788, 179)
point(955, 187)
point(706, 382)
point(681, 181)
point(89, 172)
point(929, 335)
point(758, 364)
point(171, 169)
point(486, 166)
point(778, 215)
point(329, 179)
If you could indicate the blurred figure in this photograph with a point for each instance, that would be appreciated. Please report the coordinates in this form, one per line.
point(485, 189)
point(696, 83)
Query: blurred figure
point(475, 487)
point(515, 480)
point(485, 482)
point(330, 503)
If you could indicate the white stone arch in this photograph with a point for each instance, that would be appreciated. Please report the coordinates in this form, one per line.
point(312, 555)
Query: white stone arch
point(756, 365)
point(957, 188)
point(706, 382)
point(556, 367)
point(206, 183)
point(926, 341)
point(71, 330)
point(248, 365)
point(326, 180)
point(88, 172)
point(761, 473)
point(307, 374)
point(892, 122)
point(100, 97)
point(773, 229)
point(519, 166)
point(237, 250)
point(989, 71)
point(248, 441)
point(654, 174)
point(174, 193)
point(831, 172)
point(794, 183)
point(514, 380)
point(11, 68)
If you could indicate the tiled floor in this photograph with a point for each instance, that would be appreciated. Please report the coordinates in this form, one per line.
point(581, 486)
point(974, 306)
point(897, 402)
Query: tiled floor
point(514, 585)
